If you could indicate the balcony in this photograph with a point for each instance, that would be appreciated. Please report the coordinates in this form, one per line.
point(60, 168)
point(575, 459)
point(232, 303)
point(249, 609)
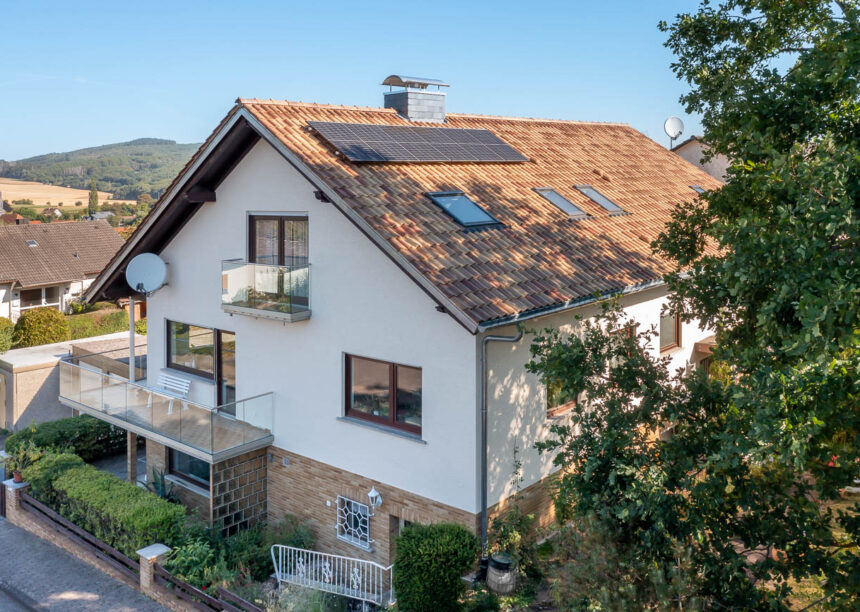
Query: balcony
point(210, 434)
point(266, 291)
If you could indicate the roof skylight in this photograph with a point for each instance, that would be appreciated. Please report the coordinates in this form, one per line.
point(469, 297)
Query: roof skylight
point(32, 243)
point(462, 209)
point(698, 189)
point(599, 198)
point(561, 202)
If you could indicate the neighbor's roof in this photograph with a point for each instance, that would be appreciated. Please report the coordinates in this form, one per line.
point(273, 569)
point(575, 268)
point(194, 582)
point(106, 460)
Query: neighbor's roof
point(64, 251)
point(538, 258)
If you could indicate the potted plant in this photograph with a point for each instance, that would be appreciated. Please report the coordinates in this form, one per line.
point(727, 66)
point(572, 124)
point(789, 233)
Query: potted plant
point(21, 458)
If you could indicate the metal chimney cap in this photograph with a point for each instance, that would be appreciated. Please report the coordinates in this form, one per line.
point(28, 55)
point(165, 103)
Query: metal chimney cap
point(396, 80)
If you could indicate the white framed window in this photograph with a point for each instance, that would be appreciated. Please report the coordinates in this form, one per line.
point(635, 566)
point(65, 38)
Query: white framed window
point(353, 522)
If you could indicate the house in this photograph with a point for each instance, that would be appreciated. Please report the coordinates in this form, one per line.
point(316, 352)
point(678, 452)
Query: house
point(102, 215)
point(52, 211)
point(694, 148)
point(13, 219)
point(51, 264)
point(340, 282)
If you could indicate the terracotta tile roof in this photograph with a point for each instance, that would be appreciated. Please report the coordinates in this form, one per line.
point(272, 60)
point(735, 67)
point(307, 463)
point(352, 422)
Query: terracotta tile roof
point(64, 251)
point(539, 258)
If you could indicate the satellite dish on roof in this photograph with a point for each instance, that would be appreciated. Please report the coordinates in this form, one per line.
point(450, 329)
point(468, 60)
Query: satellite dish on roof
point(146, 273)
point(674, 127)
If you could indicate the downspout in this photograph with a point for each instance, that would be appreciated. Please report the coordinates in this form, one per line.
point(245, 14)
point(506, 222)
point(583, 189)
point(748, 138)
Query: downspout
point(483, 399)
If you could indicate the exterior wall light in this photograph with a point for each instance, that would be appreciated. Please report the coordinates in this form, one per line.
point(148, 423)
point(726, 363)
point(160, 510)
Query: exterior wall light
point(374, 497)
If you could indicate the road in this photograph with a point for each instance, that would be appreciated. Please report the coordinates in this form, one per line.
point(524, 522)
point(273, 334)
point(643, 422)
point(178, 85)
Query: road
point(36, 575)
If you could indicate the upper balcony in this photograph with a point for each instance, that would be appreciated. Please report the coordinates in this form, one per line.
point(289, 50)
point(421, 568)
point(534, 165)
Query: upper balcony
point(92, 384)
point(267, 291)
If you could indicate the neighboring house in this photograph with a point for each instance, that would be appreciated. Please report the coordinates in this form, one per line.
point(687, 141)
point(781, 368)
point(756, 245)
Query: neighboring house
point(51, 211)
point(51, 264)
point(13, 219)
point(102, 215)
point(694, 148)
point(30, 379)
point(345, 276)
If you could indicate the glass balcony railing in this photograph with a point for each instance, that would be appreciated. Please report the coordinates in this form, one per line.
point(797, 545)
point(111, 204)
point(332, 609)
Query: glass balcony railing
point(213, 434)
point(263, 290)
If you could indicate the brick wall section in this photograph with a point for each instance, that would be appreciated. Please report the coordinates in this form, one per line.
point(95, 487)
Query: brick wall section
point(239, 491)
point(309, 490)
point(534, 499)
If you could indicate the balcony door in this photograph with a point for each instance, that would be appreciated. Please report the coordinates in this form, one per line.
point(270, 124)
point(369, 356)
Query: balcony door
point(278, 240)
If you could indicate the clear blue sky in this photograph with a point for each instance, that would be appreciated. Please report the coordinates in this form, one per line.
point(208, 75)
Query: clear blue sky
point(78, 74)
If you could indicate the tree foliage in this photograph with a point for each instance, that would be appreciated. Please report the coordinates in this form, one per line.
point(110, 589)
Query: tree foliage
point(40, 326)
point(769, 261)
point(94, 198)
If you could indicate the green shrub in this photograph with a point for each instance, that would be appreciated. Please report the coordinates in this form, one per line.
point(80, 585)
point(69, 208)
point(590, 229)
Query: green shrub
point(97, 323)
point(41, 326)
point(140, 327)
point(7, 329)
point(42, 473)
point(248, 551)
point(83, 435)
point(430, 561)
point(117, 512)
point(188, 562)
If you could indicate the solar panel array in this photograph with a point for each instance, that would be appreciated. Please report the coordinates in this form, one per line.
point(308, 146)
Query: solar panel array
point(366, 142)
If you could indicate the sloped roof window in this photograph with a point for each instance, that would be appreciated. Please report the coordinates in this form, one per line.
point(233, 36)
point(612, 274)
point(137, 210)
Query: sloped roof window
point(561, 202)
point(32, 243)
point(599, 198)
point(463, 210)
point(698, 189)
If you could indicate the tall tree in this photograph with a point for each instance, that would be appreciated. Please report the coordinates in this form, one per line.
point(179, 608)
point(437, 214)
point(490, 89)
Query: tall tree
point(770, 262)
point(94, 198)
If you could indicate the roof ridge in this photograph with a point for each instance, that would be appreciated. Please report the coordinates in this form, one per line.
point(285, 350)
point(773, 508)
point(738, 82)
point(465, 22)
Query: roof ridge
point(270, 102)
point(389, 111)
point(536, 119)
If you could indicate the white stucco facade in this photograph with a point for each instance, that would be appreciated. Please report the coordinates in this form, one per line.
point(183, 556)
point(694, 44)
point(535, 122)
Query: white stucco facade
point(10, 296)
point(517, 405)
point(362, 304)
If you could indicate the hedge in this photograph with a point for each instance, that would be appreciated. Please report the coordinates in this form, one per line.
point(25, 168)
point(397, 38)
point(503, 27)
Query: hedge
point(84, 435)
point(6, 331)
point(41, 474)
point(117, 512)
point(428, 566)
point(41, 326)
point(97, 323)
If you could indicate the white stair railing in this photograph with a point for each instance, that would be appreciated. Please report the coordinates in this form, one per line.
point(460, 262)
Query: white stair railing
point(347, 576)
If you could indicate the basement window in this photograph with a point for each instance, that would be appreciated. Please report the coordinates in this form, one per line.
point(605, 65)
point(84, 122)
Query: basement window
point(561, 202)
point(599, 198)
point(353, 522)
point(463, 210)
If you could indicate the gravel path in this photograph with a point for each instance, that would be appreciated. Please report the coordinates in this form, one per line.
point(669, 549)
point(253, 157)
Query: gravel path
point(36, 575)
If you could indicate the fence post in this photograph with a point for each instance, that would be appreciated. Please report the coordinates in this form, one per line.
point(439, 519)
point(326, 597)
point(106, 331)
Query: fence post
point(13, 500)
point(149, 556)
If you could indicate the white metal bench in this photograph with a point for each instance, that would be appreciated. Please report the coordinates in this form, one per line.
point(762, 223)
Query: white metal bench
point(175, 386)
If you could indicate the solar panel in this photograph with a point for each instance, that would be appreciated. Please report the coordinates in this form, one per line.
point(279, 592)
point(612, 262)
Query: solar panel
point(364, 142)
point(599, 198)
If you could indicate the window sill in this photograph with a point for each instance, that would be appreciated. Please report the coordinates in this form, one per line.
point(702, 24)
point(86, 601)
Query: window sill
point(194, 377)
point(365, 547)
point(185, 484)
point(669, 351)
point(382, 428)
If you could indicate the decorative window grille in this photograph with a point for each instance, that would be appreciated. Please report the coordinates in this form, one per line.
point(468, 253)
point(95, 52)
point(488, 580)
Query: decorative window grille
point(353, 522)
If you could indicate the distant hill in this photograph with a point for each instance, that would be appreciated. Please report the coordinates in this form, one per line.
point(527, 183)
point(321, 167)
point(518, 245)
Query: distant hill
point(127, 169)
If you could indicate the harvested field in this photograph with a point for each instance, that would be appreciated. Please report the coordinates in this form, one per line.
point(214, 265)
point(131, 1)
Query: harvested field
point(41, 194)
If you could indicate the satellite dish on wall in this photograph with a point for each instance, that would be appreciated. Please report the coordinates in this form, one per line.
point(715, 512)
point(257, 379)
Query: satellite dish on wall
point(146, 273)
point(673, 127)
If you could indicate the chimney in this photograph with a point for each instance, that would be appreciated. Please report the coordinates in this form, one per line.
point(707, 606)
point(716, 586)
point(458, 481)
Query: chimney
point(414, 100)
